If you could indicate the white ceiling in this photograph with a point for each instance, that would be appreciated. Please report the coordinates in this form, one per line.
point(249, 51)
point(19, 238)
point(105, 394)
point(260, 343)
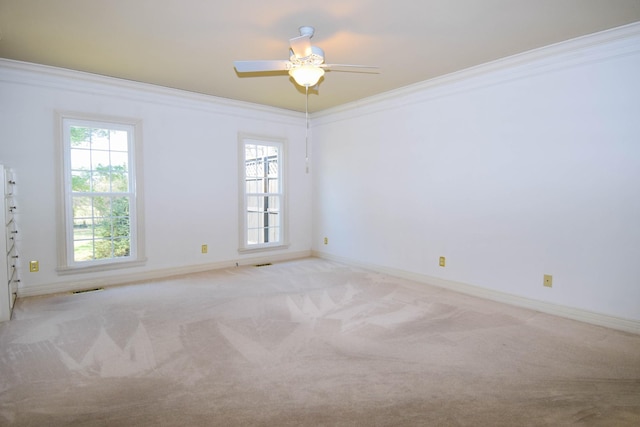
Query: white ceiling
point(191, 44)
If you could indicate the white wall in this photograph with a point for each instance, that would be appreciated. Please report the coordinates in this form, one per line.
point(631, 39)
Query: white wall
point(524, 167)
point(190, 170)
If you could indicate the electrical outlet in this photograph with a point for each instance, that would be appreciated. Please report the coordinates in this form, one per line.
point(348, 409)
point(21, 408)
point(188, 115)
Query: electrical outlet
point(442, 261)
point(326, 240)
point(205, 249)
point(34, 266)
point(548, 280)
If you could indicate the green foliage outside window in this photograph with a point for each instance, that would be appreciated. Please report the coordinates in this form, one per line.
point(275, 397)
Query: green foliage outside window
point(101, 203)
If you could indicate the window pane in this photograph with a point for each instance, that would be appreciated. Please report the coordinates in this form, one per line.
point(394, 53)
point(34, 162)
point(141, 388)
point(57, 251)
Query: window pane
point(252, 204)
point(250, 170)
point(274, 234)
point(103, 249)
point(104, 227)
point(80, 181)
point(119, 140)
point(274, 203)
point(274, 186)
point(80, 159)
point(254, 186)
point(121, 226)
point(119, 181)
point(273, 168)
point(253, 219)
point(258, 219)
point(80, 137)
point(100, 159)
point(253, 236)
point(120, 206)
point(101, 206)
point(83, 250)
point(82, 207)
point(250, 152)
point(271, 150)
point(273, 224)
point(121, 247)
point(100, 139)
point(100, 181)
point(83, 229)
point(121, 220)
point(121, 160)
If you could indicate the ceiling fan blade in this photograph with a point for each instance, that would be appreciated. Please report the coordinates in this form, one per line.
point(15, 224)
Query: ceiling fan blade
point(257, 66)
point(301, 46)
point(351, 68)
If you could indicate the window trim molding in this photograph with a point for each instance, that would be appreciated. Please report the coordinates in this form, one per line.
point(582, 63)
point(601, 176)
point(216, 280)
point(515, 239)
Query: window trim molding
point(64, 266)
point(243, 248)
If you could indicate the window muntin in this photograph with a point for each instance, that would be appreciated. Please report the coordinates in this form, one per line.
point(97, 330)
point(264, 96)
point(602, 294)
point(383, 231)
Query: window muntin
point(263, 194)
point(100, 205)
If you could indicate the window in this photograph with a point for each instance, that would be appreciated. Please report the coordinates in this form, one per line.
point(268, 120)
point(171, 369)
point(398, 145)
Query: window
point(101, 204)
point(262, 214)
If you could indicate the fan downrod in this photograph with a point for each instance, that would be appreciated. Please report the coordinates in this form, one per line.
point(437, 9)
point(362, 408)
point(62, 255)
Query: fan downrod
point(306, 30)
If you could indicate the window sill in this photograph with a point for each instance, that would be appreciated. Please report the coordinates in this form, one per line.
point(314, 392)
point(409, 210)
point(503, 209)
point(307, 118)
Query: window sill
point(251, 250)
point(63, 271)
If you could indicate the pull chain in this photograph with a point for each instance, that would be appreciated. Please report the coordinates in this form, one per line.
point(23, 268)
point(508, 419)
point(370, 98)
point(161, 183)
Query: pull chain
point(306, 135)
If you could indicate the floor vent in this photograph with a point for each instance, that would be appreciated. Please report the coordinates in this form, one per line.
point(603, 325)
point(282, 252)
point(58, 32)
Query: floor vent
point(84, 291)
point(263, 265)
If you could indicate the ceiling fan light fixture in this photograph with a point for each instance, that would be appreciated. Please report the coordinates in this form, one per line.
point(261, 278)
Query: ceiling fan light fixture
point(306, 75)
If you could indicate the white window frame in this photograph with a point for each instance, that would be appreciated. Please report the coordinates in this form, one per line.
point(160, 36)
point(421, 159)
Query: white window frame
point(281, 144)
point(66, 262)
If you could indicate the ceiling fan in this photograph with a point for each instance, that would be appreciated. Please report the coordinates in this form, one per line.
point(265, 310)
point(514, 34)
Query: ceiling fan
point(305, 64)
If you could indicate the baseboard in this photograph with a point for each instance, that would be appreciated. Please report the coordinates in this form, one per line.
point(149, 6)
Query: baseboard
point(130, 278)
point(618, 323)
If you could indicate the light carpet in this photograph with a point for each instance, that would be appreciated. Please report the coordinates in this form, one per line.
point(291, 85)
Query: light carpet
point(307, 343)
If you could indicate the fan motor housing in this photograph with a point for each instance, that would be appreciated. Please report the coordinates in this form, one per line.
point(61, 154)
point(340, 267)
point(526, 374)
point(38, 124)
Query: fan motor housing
point(316, 57)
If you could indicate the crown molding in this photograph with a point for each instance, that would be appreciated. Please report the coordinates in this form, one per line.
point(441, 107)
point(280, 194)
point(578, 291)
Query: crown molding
point(595, 47)
point(27, 73)
point(592, 48)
